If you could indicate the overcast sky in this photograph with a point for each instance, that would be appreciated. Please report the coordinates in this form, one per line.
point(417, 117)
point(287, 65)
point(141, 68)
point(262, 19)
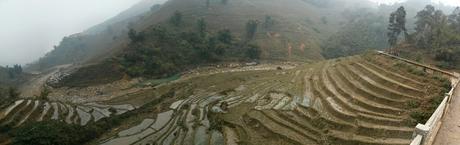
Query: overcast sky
point(30, 28)
point(447, 2)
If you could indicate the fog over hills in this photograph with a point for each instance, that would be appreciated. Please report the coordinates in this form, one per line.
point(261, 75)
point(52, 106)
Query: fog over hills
point(32, 28)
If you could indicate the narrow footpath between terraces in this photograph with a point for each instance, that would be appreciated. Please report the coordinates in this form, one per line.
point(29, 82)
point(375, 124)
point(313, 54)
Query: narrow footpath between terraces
point(449, 133)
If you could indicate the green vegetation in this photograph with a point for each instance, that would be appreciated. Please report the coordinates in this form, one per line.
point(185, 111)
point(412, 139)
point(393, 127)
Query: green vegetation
point(7, 96)
point(201, 26)
point(134, 36)
point(397, 24)
point(176, 19)
point(253, 52)
point(437, 35)
point(51, 133)
point(155, 82)
point(44, 94)
point(10, 78)
point(269, 22)
point(251, 29)
point(365, 31)
point(69, 50)
point(14, 71)
point(101, 73)
point(165, 51)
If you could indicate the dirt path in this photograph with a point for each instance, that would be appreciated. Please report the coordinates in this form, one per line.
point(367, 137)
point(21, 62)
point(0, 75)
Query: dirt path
point(35, 85)
point(449, 133)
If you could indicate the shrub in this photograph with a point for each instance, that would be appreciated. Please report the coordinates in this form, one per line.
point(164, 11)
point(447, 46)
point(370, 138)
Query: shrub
point(166, 52)
point(446, 65)
point(51, 133)
point(420, 116)
point(43, 94)
point(253, 52)
point(445, 83)
point(416, 71)
point(413, 104)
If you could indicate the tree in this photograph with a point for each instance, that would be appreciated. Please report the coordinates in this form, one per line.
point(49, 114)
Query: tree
point(397, 24)
point(225, 36)
point(440, 30)
point(269, 22)
point(17, 69)
point(51, 133)
point(176, 19)
point(224, 2)
point(454, 20)
point(208, 3)
point(366, 30)
point(43, 94)
point(14, 71)
point(155, 7)
point(423, 27)
point(424, 18)
point(251, 29)
point(201, 26)
point(253, 52)
point(439, 35)
point(135, 37)
point(13, 93)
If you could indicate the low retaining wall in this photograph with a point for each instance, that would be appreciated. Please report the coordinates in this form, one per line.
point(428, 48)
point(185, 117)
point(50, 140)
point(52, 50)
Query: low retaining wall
point(424, 134)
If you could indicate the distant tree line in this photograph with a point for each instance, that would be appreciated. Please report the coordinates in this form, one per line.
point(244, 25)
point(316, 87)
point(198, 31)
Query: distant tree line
point(365, 30)
point(435, 33)
point(14, 71)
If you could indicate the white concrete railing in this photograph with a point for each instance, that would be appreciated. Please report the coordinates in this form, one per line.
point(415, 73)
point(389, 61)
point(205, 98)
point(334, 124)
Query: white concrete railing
point(424, 134)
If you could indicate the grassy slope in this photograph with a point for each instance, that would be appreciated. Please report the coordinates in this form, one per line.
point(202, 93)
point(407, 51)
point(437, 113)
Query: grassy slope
point(298, 27)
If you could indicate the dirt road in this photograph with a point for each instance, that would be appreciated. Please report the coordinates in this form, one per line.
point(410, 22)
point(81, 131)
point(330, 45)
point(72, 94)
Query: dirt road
point(35, 85)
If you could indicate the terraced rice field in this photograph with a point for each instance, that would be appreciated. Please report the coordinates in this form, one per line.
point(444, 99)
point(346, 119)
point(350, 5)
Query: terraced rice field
point(368, 99)
point(354, 100)
point(23, 111)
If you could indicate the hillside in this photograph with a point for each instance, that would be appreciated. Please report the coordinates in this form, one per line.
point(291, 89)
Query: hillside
point(286, 30)
point(297, 28)
point(97, 42)
point(122, 20)
point(367, 99)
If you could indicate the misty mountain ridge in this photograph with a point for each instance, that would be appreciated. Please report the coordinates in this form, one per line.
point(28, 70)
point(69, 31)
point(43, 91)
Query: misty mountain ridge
point(301, 30)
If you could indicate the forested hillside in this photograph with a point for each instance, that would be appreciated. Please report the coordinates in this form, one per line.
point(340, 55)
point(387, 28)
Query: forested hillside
point(366, 29)
point(293, 30)
point(436, 38)
point(284, 30)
